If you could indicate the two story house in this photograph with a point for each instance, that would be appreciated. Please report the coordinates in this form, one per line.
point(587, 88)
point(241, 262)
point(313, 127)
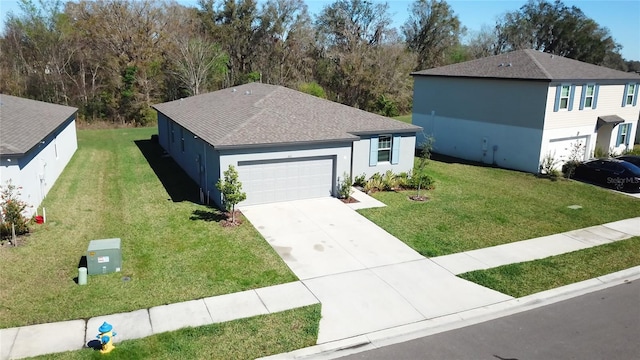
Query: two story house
point(514, 109)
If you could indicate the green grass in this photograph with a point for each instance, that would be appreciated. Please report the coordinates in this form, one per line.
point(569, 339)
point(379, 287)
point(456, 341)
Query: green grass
point(240, 339)
point(526, 278)
point(474, 207)
point(171, 249)
point(404, 118)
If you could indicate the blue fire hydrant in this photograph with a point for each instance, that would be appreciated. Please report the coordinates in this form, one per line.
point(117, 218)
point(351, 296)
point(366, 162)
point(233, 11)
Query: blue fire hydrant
point(106, 337)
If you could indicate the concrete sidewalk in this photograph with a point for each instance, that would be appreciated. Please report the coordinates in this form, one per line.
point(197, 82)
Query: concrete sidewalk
point(34, 340)
point(539, 248)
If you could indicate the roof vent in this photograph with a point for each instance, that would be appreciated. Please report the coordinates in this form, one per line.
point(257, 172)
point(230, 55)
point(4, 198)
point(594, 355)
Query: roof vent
point(501, 65)
point(248, 92)
point(509, 64)
point(234, 90)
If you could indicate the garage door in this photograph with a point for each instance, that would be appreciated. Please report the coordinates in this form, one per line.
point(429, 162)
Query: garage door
point(562, 148)
point(268, 181)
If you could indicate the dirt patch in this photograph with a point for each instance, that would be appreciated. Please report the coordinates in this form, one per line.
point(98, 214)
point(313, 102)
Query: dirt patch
point(418, 198)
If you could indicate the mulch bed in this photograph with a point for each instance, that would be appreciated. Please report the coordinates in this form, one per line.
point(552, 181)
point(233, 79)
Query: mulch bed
point(228, 223)
point(349, 200)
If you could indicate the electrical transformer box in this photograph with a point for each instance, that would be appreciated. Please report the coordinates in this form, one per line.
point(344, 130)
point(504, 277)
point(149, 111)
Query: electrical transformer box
point(104, 256)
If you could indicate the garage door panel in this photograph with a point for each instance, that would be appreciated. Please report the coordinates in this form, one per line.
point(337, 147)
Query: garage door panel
point(561, 148)
point(286, 179)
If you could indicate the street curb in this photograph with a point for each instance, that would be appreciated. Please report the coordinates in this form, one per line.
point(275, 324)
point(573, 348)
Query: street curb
point(378, 339)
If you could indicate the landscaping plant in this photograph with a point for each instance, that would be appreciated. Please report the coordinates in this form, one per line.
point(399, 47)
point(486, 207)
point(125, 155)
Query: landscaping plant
point(344, 187)
point(231, 189)
point(12, 211)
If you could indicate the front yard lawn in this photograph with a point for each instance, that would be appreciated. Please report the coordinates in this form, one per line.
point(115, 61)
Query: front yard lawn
point(474, 207)
point(119, 185)
point(531, 277)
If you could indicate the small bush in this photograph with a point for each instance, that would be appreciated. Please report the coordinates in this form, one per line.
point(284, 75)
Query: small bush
point(388, 181)
point(548, 166)
point(344, 187)
point(360, 180)
point(402, 181)
point(569, 168)
point(421, 179)
point(12, 211)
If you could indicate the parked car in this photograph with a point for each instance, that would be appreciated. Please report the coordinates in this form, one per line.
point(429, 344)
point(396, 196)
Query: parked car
point(611, 173)
point(634, 159)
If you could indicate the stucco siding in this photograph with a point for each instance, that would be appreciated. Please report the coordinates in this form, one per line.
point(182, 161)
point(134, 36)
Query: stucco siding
point(37, 171)
point(495, 101)
point(361, 152)
point(502, 145)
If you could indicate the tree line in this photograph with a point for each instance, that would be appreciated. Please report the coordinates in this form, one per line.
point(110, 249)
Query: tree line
point(113, 59)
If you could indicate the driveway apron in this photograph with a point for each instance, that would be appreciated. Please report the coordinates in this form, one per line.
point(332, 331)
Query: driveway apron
point(366, 279)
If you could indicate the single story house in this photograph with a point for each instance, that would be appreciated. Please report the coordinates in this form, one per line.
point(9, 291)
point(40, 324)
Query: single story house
point(285, 144)
point(513, 109)
point(37, 140)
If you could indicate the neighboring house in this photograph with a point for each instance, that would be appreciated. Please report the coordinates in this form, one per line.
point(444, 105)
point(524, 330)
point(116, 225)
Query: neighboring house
point(513, 109)
point(285, 144)
point(37, 140)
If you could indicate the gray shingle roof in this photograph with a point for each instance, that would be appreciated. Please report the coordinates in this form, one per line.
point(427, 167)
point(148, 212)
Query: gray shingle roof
point(529, 65)
point(261, 114)
point(24, 123)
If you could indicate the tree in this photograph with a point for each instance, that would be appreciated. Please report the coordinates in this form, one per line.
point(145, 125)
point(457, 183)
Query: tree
point(432, 31)
point(197, 62)
point(231, 189)
point(420, 177)
point(558, 29)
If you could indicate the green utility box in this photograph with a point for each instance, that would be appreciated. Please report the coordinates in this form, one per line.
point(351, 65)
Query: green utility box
point(104, 256)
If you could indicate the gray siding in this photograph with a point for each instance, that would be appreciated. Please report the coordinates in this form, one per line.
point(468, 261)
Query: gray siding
point(497, 101)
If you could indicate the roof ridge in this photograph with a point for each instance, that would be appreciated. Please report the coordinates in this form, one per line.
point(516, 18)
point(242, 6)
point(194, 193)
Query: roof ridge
point(533, 58)
point(243, 124)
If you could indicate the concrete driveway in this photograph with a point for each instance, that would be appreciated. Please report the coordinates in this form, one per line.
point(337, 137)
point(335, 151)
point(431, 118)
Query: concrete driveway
point(366, 279)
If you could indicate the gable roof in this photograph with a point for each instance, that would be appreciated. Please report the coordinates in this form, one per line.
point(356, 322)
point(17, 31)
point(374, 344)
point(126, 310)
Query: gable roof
point(529, 65)
point(24, 123)
point(262, 114)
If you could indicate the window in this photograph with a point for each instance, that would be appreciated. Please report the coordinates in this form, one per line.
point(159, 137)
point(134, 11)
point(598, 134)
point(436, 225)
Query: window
point(589, 92)
point(384, 148)
point(631, 93)
point(624, 132)
point(564, 97)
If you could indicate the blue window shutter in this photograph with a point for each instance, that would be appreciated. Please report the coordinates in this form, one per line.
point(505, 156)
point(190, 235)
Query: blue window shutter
point(557, 104)
point(583, 96)
point(571, 95)
point(629, 127)
point(373, 153)
point(619, 139)
point(635, 96)
point(594, 104)
point(624, 95)
point(395, 150)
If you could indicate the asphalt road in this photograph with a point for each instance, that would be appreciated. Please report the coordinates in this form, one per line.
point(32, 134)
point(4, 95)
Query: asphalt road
point(600, 325)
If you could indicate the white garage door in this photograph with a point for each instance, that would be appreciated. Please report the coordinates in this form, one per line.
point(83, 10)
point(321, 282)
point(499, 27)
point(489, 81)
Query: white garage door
point(268, 181)
point(562, 148)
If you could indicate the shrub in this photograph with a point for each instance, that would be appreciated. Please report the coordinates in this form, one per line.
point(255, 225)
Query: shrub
point(12, 211)
point(231, 189)
point(548, 166)
point(569, 168)
point(421, 180)
point(402, 181)
point(344, 187)
point(388, 181)
point(360, 180)
point(374, 184)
